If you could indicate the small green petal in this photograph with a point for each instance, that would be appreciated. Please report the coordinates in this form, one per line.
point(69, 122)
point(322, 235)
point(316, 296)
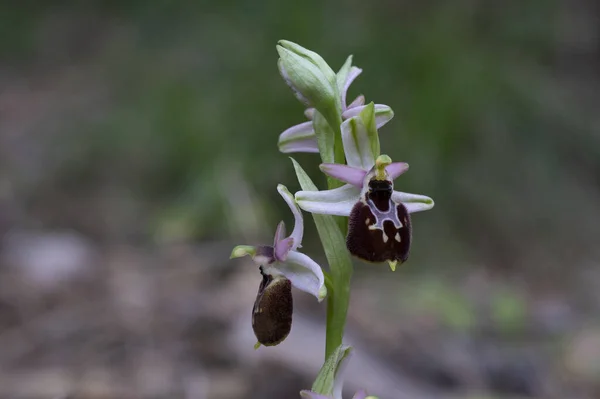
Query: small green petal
point(393, 264)
point(243, 250)
point(322, 293)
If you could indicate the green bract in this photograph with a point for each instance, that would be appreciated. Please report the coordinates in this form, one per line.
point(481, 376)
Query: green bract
point(330, 380)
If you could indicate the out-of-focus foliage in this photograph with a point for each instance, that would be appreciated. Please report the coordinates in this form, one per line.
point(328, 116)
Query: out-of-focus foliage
point(152, 121)
point(188, 94)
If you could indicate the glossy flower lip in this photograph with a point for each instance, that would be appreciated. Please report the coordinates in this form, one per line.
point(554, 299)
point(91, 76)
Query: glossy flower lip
point(302, 138)
point(361, 147)
point(283, 258)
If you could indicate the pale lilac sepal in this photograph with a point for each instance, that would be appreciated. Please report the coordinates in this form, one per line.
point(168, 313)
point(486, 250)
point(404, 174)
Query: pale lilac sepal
point(298, 138)
point(306, 145)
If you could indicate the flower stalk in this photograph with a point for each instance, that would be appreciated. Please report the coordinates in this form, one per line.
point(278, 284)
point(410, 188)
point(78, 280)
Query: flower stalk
point(360, 213)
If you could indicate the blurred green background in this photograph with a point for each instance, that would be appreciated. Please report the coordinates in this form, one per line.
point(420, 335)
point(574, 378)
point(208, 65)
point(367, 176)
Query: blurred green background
point(138, 144)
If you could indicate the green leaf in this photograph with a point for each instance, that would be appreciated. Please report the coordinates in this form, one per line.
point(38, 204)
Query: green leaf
point(330, 379)
point(340, 265)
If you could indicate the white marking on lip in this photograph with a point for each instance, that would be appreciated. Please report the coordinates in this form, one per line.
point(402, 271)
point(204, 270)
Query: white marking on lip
point(397, 237)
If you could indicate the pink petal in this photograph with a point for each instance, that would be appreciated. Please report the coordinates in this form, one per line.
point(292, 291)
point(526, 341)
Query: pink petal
point(395, 169)
point(279, 233)
point(282, 248)
point(345, 173)
point(358, 101)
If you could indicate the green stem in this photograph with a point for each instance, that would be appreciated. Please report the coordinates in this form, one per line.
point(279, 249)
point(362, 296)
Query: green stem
point(340, 272)
point(337, 310)
point(332, 230)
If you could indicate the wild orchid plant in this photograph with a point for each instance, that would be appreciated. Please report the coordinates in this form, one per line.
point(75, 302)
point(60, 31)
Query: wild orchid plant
point(360, 187)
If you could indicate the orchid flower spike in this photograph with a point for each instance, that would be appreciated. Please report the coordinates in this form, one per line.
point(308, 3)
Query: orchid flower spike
point(379, 228)
point(330, 381)
point(302, 138)
point(282, 267)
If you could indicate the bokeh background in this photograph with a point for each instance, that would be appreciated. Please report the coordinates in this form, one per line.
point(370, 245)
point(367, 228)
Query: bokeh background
point(138, 146)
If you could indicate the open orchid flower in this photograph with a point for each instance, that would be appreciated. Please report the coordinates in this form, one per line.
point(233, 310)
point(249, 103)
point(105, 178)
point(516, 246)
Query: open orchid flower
point(302, 138)
point(283, 259)
point(281, 267)
point(330, 380)
point(368, 197)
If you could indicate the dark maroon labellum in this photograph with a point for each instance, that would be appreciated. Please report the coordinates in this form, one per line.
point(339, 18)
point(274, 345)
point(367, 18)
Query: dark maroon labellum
point(379, 229)
point(272, 312)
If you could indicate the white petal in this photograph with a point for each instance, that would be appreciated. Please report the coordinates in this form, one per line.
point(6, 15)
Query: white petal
point(298, 221)
point(338, 201)
point(304, 273)
point(413, 202)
